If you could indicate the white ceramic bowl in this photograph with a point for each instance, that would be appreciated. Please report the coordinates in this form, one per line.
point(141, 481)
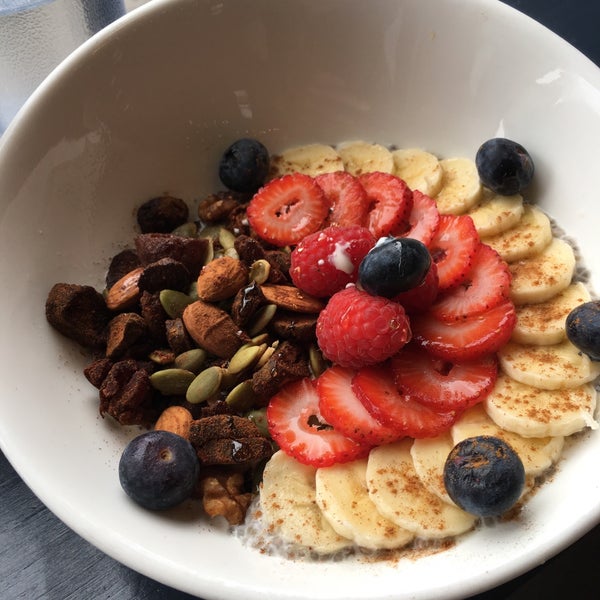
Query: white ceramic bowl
point(147, 106)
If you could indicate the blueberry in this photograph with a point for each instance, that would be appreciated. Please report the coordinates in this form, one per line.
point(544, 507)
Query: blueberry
point(583, 328)
point(158, 469)
point(244, 166)
point(504, 166)
point(484, 476)
point(394, 265)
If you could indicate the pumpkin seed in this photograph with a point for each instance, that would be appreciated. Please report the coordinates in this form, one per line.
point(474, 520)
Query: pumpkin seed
point(206, 384)
point(242, 396)
point(259, 339)
point(232, 253)
point(210, 251)
point(193, 291)
point(174, 302)
point(209, 231)
point(172, 382)
point(188, 230)
point(316, 361)
point(192, 360)
point(226, 238)
point(259, 417)
point(265, 356)
point(262, 318)
point(259, 271)
point(244, 358)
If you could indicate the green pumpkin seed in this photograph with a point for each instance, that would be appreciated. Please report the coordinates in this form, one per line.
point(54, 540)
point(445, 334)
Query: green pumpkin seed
point(242, 396)
point(206, 384)
point(192, 360)
point(172, 382)
point(262, 318)
point(193, 291)
point(259, 417)
point(259, 339)
point(231, 253)
point(244, 358)
point(209, 231)
point(265, 356)
point(226, 238)
point(259, 271)
point(316, 361)
point(189, 230)
point(174, 302)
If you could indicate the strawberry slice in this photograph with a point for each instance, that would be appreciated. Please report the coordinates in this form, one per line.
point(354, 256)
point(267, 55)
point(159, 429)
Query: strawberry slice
point(420, 298)
point(376, 389)
point(297, 426)
point(347, 199)
point(424, 219)
point(468, 339)
point(287, 209)
point(340, 407)
point(487, 284)
point(452, 248)
point(440, 384)
point(390, 202)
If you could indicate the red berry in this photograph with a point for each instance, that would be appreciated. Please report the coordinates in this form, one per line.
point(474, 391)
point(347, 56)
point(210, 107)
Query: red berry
point(326, 261)
point(452, 248)
point(390, 201)
point(287, 209)
point(424, 218)
point(420, 298)
point(468, 339)
point(376, 389)
point(347, 199)
point(341, 408)
point(487, 284)
point(357, 329)
point(441, 384)
point(298, 428)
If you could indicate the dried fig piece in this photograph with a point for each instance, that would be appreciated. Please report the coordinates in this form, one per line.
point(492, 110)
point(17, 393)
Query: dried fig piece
point(165, 273)
point(295, 326)
point(122, 263)
point(245, 304)
point(192, 252)
point(124, 332)
point(97, 371)
point(177, 336)
point(162, 214)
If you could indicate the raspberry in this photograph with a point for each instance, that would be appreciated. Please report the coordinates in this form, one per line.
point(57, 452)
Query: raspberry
point(357, 329)
point(327, 261)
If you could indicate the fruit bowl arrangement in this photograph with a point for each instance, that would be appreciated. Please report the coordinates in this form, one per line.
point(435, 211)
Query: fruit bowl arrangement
point(69, 199)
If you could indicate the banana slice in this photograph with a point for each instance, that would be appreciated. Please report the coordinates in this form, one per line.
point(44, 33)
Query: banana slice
point(537, 454)
point(420, 170)
point(429, 457)
point(496, 214)
point(362, 157)
point(539, 278)
point(312, 159)
point(399, 495)
point(543, 324)
point(533, 412)
point(527, 238)
point(342, 496)
point(548, 367)
point(288, 504)
point(461, 188)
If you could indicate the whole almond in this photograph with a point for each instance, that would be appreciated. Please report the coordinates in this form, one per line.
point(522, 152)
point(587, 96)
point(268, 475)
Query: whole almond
point(291, 298)
point(221, 278)
point(125, 292)
point(175, 419)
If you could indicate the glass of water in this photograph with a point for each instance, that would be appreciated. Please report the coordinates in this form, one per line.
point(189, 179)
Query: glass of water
point(36, 35)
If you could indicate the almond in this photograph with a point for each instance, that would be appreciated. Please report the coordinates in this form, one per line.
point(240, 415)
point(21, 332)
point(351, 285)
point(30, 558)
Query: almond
point(221, 278)
point(291, 298)
point(175, 419)
point(125, 292)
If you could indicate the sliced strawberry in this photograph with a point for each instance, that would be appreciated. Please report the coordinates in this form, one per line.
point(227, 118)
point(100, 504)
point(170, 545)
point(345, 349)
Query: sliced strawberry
point(297, 426)
point(468, 339)
point(424, 218)
point(376, 389)
point(420, 298)
point(390, 202)
point(441, 384)
point(487, 284)
point(341, 408)
point(348, 202)
point(287, 209)
point(452, 248)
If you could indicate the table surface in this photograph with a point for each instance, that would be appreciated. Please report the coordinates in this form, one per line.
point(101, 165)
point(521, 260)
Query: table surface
point(41, 558)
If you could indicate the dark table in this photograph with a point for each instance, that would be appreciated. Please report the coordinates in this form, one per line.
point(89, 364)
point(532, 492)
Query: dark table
point(41, 558)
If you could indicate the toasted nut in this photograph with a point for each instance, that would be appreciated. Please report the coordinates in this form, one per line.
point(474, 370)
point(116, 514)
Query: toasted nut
point(206, 384)
point(226, 238)
point(291, 298)
point(259, 271)
point(192, 360)
point(172, 382)
point(221, 278)
point(244, 358)
point(262, 318)
point(125, 292)
point(175, 419)
point(174, 302)
point(242, 396)
point(162, 357)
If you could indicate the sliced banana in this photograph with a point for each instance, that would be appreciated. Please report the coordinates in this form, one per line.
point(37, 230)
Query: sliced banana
point(288, 504)
point(363, 157)
point(533, 412)
point(496, 214)
point(544, 323)
point(527, 238)
point(537, 454)
point(429, 457)
point(541, 277)
point(312, 159)
point(548, 367)
point(461, 188)
point(420, 170)
point(342, 496)
point(399, 495)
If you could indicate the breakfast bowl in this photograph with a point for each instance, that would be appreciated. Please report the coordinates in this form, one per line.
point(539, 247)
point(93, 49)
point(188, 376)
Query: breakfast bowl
point(147, 107)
